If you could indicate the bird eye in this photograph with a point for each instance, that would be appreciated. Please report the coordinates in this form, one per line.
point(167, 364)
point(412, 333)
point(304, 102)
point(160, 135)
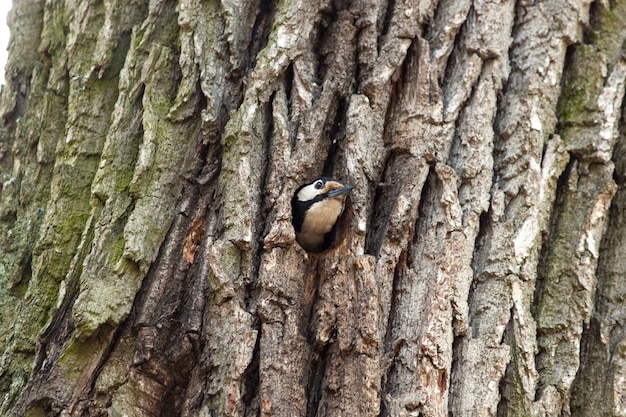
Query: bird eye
point(319, 184)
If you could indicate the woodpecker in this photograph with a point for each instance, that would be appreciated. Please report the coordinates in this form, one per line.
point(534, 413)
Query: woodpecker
point(315, 209)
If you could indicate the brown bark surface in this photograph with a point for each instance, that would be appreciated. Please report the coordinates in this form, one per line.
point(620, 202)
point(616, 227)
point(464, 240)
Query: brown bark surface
point(149, 151)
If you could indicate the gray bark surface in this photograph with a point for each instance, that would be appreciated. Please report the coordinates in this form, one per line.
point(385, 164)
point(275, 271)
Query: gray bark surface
point(149, 151)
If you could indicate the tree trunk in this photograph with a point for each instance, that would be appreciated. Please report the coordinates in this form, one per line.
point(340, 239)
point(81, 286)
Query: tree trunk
point(149, 153)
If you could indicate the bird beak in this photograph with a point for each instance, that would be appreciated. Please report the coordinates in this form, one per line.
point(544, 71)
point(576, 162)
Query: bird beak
point(339, 191)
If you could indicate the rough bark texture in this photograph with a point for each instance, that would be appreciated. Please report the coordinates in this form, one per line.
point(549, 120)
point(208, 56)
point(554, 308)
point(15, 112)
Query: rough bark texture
point(149, 151)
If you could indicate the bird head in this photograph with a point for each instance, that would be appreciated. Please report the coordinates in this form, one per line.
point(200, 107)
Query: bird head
point(321, 189)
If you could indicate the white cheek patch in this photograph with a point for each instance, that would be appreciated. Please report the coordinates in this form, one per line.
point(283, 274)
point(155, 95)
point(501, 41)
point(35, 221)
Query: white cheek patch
point(308, 193)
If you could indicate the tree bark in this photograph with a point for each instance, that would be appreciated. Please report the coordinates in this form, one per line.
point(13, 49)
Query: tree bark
point(148, 155)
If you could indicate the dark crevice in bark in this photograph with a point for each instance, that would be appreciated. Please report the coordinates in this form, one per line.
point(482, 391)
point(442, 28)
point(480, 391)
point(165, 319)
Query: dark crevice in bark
point(375, 232)
point(431, 186)
point(568, 62)
point(596, 9)
point(288, 81)
point(117, 60)
point(260, 32)
point(60, 327)
point(386, 24)
point(361, 72)
point(409, 76)
point(452, 62)
point(82, 400)
point(456, 357)
point(311, 296)
point(210, 155)
point(207, 146)
point(393, 307)
point(484, 231)
point(590, 384)
point(619, 150)
point(330, 44)
point(319, 352)
point(262, 215)
point(251, 378)
point(316, 376)
point(619, 177)
point(504, 405)
point(545, 146)
point(508, 338)
point(379, 218)
point(336, 133)
point(387, 193)
point(320, 35)
point(391, 349)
